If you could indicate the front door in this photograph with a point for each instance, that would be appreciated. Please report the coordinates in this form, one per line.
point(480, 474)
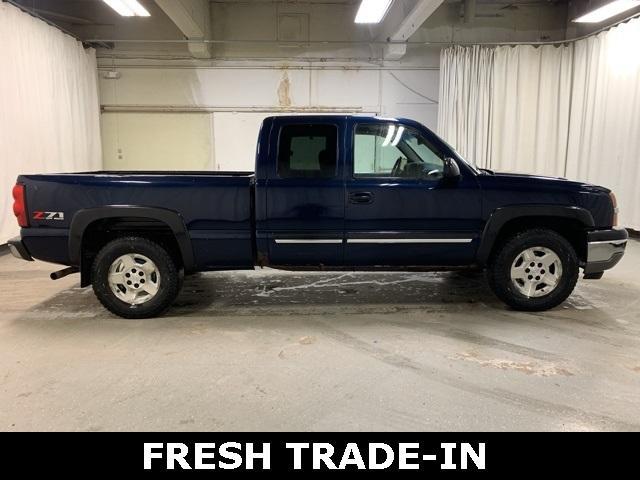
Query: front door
point(399, 208)
point(305, 194)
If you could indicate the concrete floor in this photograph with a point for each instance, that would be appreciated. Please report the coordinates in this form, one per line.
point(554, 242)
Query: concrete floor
point(317, 351)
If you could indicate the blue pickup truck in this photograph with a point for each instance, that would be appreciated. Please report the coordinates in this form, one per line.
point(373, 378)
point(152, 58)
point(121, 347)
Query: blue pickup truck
point(328, 193)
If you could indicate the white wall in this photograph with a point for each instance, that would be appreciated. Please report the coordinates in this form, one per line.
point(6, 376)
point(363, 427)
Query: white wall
point(152, 141)
point(253, 75)
point(236, 96)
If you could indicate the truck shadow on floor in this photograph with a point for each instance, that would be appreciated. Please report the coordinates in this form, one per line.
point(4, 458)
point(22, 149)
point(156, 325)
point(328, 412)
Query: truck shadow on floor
point(269, 292)
point(272, 292)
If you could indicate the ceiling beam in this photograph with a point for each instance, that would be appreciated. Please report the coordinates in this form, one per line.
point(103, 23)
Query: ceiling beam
point(193, 18)
point(408, 25)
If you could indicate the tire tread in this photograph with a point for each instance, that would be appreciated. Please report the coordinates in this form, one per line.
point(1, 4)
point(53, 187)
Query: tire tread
point(170, 278)
point(498, 275)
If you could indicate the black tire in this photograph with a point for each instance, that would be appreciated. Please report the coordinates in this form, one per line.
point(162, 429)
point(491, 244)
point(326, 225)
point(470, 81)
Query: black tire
point(169, 284)
point(499, 269)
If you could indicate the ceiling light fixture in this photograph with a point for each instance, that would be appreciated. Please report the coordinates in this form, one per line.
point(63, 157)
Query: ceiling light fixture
point(607, 11)
point(128, 8)
point(372, 11)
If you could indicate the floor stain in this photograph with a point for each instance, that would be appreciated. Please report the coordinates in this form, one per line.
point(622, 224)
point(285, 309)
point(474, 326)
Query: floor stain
point(306, 340)
point(284, 90)
point(530, 368)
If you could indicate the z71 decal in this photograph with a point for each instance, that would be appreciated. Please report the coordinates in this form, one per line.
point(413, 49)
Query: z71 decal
point(48, 215)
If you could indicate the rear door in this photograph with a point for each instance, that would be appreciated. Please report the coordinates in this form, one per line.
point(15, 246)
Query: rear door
point(399, 208)
point(305, 200)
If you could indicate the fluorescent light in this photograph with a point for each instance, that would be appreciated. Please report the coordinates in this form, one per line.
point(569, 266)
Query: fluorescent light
point(398, 136)
point(128, 8)
point(390, 131)
point(138, 9)
point(372, 11)
point(607, 11)
point(120, 7)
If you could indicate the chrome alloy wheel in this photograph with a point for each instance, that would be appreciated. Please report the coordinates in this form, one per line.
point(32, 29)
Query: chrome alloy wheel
point(134, 278)
point(536, 272)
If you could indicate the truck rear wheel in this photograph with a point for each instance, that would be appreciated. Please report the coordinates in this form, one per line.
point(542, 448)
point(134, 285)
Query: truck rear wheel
point(534, 270)
point(134, 277)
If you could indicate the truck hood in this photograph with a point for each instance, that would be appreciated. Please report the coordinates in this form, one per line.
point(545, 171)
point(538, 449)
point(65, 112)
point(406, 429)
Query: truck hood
point(511, 189)
point(545, 182)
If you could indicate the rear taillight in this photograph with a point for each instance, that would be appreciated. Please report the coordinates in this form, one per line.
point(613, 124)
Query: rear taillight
point(614, 220)
point(20, 205)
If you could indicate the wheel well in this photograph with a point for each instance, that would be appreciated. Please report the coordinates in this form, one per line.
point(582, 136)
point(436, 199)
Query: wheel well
point(571, 229)
point(100, 232)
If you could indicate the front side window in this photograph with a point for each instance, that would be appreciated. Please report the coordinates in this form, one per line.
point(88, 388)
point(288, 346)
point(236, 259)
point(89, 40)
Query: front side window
point(392, 150)
point(307, 151)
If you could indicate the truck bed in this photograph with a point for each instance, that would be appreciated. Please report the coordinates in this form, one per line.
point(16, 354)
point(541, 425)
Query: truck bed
point(216, 208)
point(215, 173)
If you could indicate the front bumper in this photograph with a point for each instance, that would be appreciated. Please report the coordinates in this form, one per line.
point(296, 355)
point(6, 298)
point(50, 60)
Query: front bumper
point(605, 248)
point(18, 250)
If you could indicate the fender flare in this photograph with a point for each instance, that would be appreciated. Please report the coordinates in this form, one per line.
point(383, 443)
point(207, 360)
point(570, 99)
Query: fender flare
point(83, 218)
point(502, 215)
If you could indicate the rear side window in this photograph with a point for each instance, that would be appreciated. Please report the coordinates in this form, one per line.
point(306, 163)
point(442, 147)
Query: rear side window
point(308, 151)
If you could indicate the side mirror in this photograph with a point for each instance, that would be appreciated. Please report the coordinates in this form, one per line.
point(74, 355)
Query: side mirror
point(451, 170)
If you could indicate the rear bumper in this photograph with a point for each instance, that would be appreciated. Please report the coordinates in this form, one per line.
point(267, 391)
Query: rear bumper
point(605, 248)
point(18, 250)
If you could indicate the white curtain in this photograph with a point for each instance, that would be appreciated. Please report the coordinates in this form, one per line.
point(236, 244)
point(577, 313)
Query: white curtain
point(49, 108)
point(530, 109)
point(604, 134)
point(571, 110)
point(465, 87)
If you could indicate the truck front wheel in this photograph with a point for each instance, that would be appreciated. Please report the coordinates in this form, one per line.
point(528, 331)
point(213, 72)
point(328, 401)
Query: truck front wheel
point(134, 277)
point(534, 270)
